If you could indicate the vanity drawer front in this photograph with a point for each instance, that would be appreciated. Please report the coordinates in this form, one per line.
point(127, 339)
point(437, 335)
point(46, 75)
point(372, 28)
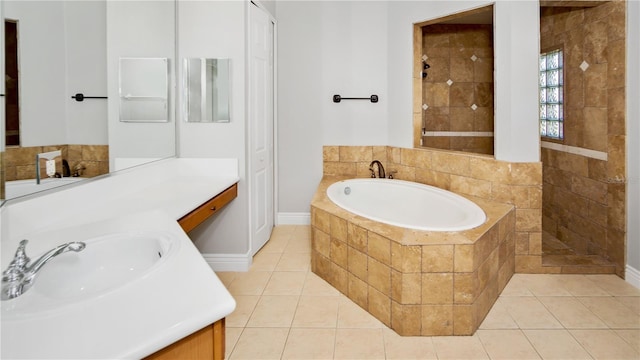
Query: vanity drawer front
point(204, 211)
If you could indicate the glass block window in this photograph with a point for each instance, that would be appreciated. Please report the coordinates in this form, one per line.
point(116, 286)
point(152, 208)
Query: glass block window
point(551, 99)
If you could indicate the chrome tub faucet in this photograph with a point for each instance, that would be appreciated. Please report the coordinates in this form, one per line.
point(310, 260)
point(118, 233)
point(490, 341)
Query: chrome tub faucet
point(20, 274)
point(381, 173)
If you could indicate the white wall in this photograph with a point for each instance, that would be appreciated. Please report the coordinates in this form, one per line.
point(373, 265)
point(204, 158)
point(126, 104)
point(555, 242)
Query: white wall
point(139, 29)
point(217, 29)
point(633, 142)
point(357, 48)
point(61, 52)
point(86, 68)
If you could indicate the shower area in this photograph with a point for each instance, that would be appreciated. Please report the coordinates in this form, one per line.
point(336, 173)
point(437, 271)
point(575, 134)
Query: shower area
point(583, 130)
point(584, 174)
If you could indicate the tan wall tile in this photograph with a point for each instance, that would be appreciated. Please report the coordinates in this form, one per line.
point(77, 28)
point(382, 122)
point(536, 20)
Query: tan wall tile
point(437, 258)
point(338, 228)
point(464, 320)
point(451, 163)
point(339, 278)
point(463, 258)
point(411, 259)
point(406, 319)
point(321, 242)
point(356, 153)
point(379, 248)
point(380, 306)
point(465, 289)
point(437, 288)
point(358, 291)
point(322, 220)
point(339, 253)
point(357, 237)
point(357, 263)
point(330, 153)
point(379, 276)
point(470, 186)
point(339, 169)
point(528, 219)
point(437, 320)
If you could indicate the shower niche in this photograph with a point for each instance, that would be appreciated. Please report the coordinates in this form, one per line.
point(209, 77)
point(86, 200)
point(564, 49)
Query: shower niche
point(453, 82)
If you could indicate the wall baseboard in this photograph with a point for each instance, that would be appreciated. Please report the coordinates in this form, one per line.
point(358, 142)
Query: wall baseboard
point(632, 276)
point(288, 218)
point(228, 262)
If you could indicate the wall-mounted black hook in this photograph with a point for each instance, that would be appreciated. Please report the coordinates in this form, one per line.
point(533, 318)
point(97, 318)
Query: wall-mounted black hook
point(81, 97)
point(338, 98)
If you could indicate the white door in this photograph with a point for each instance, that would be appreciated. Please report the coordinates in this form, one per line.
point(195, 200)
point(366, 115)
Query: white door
point(261, 117)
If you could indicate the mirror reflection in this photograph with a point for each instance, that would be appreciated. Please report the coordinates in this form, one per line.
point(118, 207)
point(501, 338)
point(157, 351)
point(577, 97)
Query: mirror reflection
point(144, 89)
point(206, 95)
point(62, 48)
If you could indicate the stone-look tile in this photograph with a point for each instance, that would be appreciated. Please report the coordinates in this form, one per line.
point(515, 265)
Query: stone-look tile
point(379, 306)
point(470, 186)
point(498, 318)
point(404, 348)
point(285, 283)
point(615, 314)
point(379, 276)
point(245, 304)
point(274, 311)
point(456, 164)
point(507, 344)
point(322, 220)
point(356, 153)
point(406, 288)
point(339, 168)
point(379, 248)
point(461, 119)
point(339, 253)
point(310, 344)
point(339, 278)
point(604, 344)
point(415, 158)
point(465, 320)
point(359, 344)
point(437, 320)
point(249, 283)
point(571, 313)
point(357, 237)
point(556, 344)
point(459, 347)
point(436, 94)
point(463, 258)
point(406, 319)
point(434, 178)
point(358, 291)
point(321, 242)
point(614, 285)
point(358, 263)
point(316, 312)
point(338, 228)
point(632, 337)
point(529, 219)
point(260, 344)
point(352, 316)
point(330, 153)
point(465, 288)
point(316, 286)
point(437, 258)
point(529, 313)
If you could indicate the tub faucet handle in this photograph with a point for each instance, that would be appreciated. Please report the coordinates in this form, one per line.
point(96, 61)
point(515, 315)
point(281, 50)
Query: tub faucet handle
point(391, 172)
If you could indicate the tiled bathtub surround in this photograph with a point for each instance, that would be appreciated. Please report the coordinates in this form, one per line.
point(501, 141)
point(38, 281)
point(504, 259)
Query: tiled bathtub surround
point(517, 184)
point(415, 282)
point(19, 162)
point(584, 197)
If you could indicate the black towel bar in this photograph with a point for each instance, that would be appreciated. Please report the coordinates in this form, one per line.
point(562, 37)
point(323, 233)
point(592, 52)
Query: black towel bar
point(338, 98)
point(81, 97)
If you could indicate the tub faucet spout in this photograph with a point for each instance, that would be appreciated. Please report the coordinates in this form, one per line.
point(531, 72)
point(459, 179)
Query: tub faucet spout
point(21, 273)
point(381, 173)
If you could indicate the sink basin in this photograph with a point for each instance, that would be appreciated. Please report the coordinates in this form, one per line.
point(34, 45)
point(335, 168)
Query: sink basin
point(105, 264)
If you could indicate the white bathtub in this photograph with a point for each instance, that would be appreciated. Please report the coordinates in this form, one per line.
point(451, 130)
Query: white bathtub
point(406, 204)
point(18, 188)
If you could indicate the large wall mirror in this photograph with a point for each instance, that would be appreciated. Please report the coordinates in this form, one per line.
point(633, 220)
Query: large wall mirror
point(63, 48)
point(206, 90)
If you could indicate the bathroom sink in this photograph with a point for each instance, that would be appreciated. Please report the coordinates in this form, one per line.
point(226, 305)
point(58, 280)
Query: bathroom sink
point(107, 263)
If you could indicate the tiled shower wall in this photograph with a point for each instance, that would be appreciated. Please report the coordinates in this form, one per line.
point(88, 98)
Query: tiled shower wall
point(19, 162)
point(584, 197)
point(457, 94)
point(518, 184)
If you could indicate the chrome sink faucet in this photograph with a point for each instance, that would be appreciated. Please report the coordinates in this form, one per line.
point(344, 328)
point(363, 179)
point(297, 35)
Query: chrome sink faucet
point(381, 173)
point(21, 273)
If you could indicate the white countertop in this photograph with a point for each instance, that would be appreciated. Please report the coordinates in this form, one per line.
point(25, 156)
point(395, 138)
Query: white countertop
point(177, 298)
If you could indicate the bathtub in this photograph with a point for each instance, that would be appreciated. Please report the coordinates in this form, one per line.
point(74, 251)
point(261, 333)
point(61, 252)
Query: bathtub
point(406, 204)
point(19, 188)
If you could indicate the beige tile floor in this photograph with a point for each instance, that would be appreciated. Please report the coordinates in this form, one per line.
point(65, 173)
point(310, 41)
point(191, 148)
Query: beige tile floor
point(284, 311)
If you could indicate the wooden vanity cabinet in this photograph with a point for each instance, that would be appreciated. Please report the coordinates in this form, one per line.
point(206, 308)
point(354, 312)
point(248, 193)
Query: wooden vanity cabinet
point(212, 206)
point(207, 343)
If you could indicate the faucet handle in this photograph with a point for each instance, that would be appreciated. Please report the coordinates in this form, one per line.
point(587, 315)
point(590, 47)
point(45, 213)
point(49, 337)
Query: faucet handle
point(20, 259)
point(391, 172)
